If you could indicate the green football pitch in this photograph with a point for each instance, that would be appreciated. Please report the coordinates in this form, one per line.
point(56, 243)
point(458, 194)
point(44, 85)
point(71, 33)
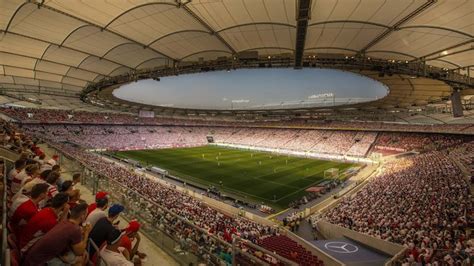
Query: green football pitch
point(258, 177)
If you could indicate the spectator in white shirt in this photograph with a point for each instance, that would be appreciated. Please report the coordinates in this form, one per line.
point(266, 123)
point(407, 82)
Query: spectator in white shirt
point(99, 212)
point(112, 254)
point(20, 164)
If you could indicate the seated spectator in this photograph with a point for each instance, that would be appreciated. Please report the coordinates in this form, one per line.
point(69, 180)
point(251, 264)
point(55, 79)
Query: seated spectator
point(76, 179)
point(40, 158)
point(99, 195)
point(104, 227)
point(20, 164)
point(19, 179)
point(66, 187)
point(74, 198)
point(24, 208)
point(44, 221)
point(64, 244)
point(131, 234)
point(56, 168)
point(112, 254)
point(99, 212)
point(33, 177)
point(51, 181)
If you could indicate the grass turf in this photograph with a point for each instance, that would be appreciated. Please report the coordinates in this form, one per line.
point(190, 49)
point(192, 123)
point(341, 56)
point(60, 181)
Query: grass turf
point(276, 180)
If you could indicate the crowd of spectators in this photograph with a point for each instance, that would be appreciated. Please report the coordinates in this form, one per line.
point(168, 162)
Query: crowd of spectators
point(352, 143)
point(178, 213)
point(34, 115)
point(422, 202)
point(117, 137)
point(417, 141)
point(47, 217)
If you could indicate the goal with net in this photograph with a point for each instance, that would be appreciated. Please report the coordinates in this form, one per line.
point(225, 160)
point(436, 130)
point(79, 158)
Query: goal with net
point(331, 173)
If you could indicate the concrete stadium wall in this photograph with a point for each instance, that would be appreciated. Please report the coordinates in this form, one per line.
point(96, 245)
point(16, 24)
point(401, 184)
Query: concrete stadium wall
point(329, 231)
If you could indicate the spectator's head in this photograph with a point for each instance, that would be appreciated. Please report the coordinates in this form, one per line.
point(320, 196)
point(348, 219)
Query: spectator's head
point(102, 203)
point(100, 195)
point(42, 156)
point(79, 212)
point(20, 164)
point(32, 170)
point(39, 191)
point(59, 201)
point(66, 186)
point(56, 168)
point(115, 210)
point(44, 175)
point(52, 178)
point(24, 155)
point(132, 228)
point(76, 178)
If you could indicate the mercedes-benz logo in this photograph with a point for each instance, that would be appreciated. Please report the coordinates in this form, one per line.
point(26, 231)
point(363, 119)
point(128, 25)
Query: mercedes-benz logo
point(341, 247)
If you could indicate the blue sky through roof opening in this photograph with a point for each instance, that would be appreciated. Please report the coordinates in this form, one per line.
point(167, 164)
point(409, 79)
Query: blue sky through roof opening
point(255, 89)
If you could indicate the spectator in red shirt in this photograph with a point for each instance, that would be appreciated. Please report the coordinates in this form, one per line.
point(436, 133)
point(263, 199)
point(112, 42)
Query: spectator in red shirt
point(100, 195)
point(44, 221)
point(24, 208)
point(131, 233)
point(64, 244)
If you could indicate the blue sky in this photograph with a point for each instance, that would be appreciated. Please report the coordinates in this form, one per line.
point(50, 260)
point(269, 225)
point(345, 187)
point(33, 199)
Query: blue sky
point(250, 87)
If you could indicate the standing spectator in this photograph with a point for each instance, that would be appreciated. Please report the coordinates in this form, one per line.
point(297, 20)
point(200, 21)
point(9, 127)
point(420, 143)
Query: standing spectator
point(44, 221)
point(24, 208)
point(64, 244)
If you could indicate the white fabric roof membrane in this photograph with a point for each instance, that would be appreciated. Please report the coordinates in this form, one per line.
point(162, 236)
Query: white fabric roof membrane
point(68, 44)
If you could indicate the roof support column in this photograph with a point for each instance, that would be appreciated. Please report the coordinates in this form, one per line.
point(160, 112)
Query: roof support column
point(303, 14)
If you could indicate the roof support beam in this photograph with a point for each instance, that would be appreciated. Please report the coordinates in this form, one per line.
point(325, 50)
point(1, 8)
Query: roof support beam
point(457, 52)
point(303, 14)
point(397, 25)
point(444, 49)
point(207, 26)
point(447, 62)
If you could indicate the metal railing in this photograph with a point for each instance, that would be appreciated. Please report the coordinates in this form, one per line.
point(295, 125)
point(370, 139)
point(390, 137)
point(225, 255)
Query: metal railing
point(7, 164)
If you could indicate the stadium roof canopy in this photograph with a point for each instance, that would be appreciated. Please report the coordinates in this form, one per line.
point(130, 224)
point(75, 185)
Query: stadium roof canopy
point(67, 44)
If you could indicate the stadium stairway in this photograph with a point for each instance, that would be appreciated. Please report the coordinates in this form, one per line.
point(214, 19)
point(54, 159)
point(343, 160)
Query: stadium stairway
point(285, 246)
